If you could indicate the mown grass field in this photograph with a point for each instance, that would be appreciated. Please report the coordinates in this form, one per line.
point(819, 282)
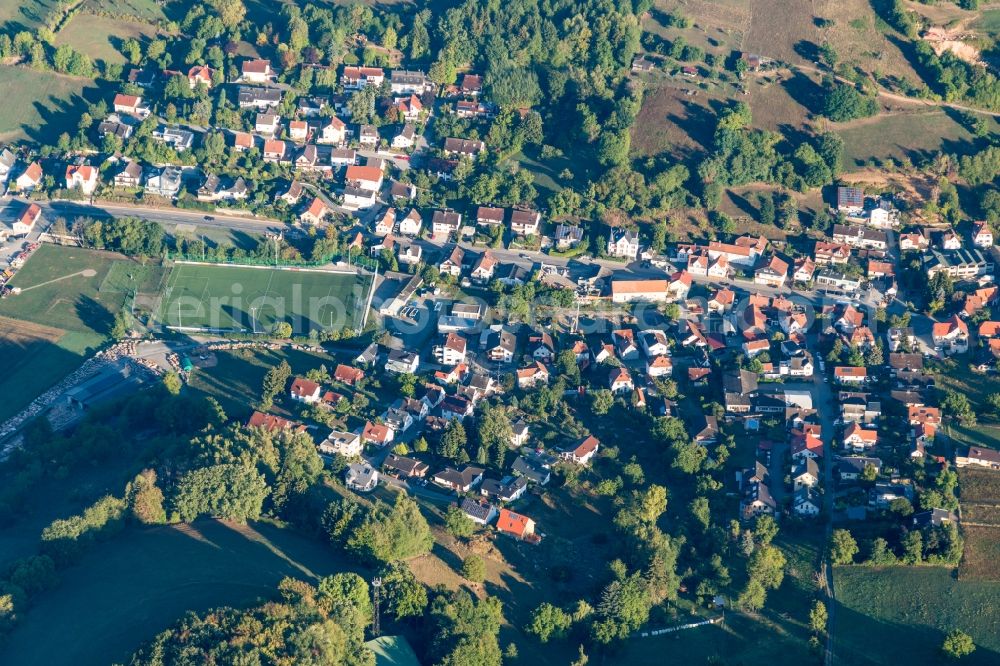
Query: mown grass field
point(249, 299)
point(900, 615)
point(18, 15)
point(905, 135)
point(61, 287)
point(62, 314)
point(99, 37)
point(38, 105)
point(126, 590)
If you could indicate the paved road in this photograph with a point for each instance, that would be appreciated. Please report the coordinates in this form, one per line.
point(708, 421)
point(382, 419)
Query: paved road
point(11, 208)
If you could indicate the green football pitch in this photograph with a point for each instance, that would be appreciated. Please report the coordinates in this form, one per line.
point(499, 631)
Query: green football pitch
point(251, 299)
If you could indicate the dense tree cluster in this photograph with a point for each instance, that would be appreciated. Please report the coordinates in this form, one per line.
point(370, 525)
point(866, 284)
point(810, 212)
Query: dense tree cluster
point(309, 625)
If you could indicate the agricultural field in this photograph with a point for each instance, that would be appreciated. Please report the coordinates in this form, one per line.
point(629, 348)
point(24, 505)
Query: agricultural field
point(979, 485)
point(100, 37)
point(217, 297)
point(41, 105)
point(981, 556)
point(906, 136)
point(900, 615)
point(125, 590)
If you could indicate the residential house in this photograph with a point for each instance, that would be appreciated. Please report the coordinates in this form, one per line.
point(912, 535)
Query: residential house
point(515, 525)
point(256, 71)
point(379, 434)
point(274, 151)
point(132, 105)
point(850, 200)
point(463, 147)
point(500, 344)
point(508, 489)
point(361, 477)
point(298, 131)
point(356, 78)
point(773, 274)
point(316, 213)
point(951, 336)
point(368, 135)
point(24, 223)
point(541, 347)
point(342, 443)
point(332, 131)
point(982, 235)
point(403, 82)
point(532, 376)
point(525, 222)
point(851, 468)
point(532, 469)
point(305, 390)
point(403, 467)
point(82, 177)
point(805, 502)
point(623, 243)
point(568, 236)
point(803, 270)
point(471, 85)
point(858, 236)
point(582, 451)
point(825, 253)
point(452, 351)
point(979, 457)
point(164, 182)
point(487, 216)
point(479, 512)
point(258, 98)
point(631, 291)
point(401, 361)
point(859, 438)
point(452, 263)
point(178, 139)
point(444, 223)
point(200, 75)
point(406, 138)
point(805, 474)
point(483, 269)
point(459, 481)
point(130, 175)
point(411, 224)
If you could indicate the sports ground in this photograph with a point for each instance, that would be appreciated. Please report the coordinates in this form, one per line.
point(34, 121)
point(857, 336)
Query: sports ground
point(252, 299)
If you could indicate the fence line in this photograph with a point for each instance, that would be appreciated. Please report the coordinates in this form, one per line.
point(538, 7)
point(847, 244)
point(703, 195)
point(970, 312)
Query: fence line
point(692, 625)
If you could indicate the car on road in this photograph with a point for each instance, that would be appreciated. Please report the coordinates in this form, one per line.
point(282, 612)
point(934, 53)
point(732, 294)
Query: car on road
point(209, 218)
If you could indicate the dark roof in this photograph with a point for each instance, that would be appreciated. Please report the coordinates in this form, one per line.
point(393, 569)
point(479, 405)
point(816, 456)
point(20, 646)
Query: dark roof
point(477, 509)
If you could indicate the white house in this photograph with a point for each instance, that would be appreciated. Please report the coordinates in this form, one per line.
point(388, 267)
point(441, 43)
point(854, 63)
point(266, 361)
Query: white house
point(341, 443)
point(623, 243)
point(304, 390)
point(83, 177)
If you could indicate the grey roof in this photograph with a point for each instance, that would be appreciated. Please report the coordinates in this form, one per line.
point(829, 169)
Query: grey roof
point(477, 509)
point(530, 470)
